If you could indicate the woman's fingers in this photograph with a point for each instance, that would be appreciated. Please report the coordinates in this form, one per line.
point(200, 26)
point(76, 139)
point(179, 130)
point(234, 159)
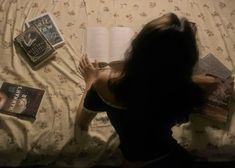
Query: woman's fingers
point(96, 64)
point(204, 79)
point(87, 61)
point(81, 63)
point(84, 62)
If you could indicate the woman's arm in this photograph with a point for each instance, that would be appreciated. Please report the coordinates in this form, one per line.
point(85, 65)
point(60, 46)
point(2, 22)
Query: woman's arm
point(204, 80)
point(207, 82)
point(90, 73)
point(84, 118)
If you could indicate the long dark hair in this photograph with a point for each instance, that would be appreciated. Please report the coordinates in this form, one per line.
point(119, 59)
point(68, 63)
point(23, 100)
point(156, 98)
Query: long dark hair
point(157, 75)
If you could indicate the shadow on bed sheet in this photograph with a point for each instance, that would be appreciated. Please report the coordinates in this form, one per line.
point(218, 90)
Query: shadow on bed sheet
point(230, 164)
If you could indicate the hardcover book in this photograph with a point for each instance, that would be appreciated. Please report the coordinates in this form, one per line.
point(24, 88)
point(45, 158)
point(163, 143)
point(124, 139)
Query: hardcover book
point(18, 100)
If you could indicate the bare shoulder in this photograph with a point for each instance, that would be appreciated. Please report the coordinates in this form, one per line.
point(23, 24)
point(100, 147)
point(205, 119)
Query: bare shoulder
point(101, 86)
point(104, 76)
point(102, 79)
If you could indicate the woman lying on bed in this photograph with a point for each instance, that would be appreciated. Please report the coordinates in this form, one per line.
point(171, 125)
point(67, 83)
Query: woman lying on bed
point(149, 95)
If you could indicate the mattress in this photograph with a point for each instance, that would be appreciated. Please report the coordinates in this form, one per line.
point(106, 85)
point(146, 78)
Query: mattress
point(54, 138)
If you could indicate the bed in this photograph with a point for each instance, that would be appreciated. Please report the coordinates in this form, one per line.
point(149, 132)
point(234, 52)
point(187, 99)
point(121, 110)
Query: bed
point(53, 138)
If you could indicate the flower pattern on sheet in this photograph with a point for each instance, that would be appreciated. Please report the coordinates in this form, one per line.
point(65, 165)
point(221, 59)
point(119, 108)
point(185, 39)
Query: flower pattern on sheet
point(52, 133)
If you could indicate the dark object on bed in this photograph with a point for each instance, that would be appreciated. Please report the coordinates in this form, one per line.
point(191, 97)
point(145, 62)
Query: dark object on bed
point(18, 100)
point(229, 164)
point(36, 47)
point(219, 98)
point(225, 164)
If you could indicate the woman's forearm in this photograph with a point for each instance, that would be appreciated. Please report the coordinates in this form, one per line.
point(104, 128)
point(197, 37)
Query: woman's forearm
point(90, 73)
point(84, 118)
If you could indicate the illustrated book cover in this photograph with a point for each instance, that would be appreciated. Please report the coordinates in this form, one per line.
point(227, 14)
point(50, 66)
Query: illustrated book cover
point(36, 47)
point(18, 100)
point(48, 27)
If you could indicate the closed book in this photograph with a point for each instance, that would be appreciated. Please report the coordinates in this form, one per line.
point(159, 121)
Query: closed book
point(36, 47)
point(46, 24)
point(19, 100)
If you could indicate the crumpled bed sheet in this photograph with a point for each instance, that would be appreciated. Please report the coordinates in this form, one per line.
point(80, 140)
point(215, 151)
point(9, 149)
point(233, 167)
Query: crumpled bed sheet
point(54, 138)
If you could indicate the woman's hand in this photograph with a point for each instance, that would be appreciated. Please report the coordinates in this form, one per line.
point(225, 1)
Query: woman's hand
point(89, 71)
point(206, 82)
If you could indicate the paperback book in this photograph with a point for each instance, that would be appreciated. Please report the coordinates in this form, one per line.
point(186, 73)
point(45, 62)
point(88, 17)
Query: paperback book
point(18, 100)
point(46, 24)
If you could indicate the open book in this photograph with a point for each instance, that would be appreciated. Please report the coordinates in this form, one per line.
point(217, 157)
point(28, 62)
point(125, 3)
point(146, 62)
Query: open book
point(37, 49)
point(106, 45)
point(217, 106)
point(218, 102)
point(211, 65)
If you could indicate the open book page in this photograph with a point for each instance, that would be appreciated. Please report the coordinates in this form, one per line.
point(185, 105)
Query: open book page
point(211, 65)
point(120, 39)
point(97, 44)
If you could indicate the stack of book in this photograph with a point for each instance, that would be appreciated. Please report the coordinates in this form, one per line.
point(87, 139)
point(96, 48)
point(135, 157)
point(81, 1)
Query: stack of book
point(39, 40)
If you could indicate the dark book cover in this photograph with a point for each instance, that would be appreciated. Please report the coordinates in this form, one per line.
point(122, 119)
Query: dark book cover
point(20, 100)
point(36, 47)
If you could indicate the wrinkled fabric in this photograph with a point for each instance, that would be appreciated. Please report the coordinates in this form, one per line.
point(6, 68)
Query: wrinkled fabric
point(54, 137)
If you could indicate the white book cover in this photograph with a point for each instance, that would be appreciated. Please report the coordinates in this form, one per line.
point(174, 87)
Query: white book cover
point(48, 27)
